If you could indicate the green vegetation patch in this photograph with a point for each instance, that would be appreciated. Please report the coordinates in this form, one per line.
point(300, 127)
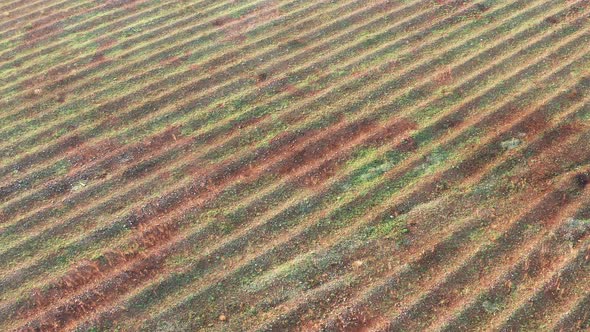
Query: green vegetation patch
point(390, 227)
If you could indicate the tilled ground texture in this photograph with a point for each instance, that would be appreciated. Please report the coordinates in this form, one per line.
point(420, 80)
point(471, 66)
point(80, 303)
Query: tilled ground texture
point(294, 165)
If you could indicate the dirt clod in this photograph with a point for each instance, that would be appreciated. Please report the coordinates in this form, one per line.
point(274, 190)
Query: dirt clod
point(262, 77)
point(582, 179)
point(357, 264)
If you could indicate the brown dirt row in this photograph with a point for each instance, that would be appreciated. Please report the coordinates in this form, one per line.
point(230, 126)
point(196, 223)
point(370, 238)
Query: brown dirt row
point(356, 313)
point(418, 305)
point(370, 138)
point(85, 26)
point(86, 162)
point(218, 174)
point(371, 266)
point(473, 271)
point(513, 285)
point(548, 276)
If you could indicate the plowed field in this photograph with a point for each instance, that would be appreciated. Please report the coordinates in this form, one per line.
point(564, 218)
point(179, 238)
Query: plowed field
point(292, 165)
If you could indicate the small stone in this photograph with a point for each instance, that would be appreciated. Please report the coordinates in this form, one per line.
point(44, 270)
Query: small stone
point(37, 91)
point(79, 185)
point(222, 318)
point(511, 144)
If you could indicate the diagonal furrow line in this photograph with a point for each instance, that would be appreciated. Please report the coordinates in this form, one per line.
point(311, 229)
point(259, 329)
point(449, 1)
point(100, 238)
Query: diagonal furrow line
point(254, 160)
point(453, 317)
point(14, 185)
point(507, 284)
point(443, 252)
point(36, 33)
point(15, 5)
point(281, 158)
point(18, 183)
point(502, 321)
point(59, 66)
